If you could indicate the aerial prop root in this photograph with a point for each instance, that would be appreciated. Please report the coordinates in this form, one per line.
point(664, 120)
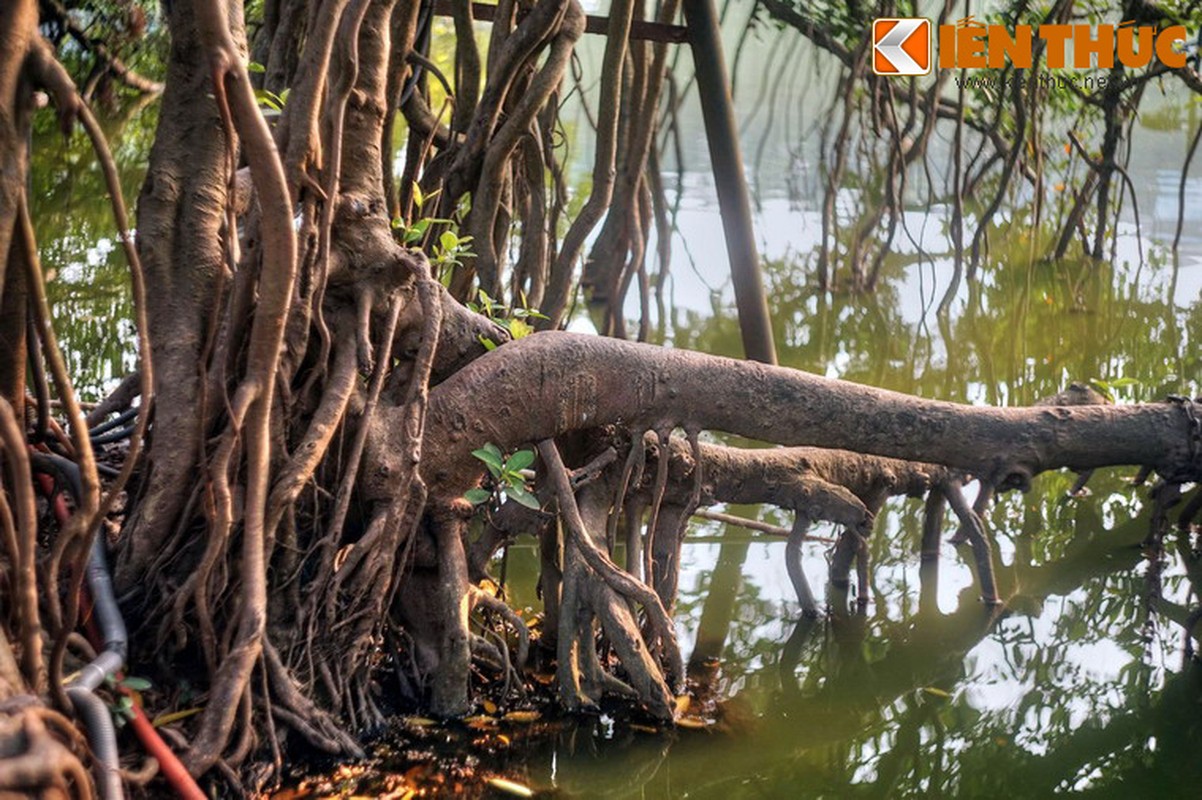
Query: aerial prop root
point(499, 607)
point(607, 598)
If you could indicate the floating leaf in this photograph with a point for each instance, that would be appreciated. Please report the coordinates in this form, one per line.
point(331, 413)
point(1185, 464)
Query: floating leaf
point(634, 726)
point(480, 722)
point(522, 716)
point(489, 707)
point(935, 691)
point(510, 787)
point(420, 722)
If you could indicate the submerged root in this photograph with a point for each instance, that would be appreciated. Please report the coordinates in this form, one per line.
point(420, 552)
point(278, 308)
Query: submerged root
point(809, 606)
point(970, 522)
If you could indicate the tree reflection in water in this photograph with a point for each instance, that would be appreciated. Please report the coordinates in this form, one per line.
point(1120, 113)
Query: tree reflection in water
point(1076, 685)
point(1079, 684)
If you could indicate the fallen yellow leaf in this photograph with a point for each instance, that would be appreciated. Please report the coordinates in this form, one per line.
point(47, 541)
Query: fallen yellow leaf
point(691, 723)
point(420, 722)
point(400, 793)
point(522, 716)
point(174, 716)
point(480, 722)
point(510, 787)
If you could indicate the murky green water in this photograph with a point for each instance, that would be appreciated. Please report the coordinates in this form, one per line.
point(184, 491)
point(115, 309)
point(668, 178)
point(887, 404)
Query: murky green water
point(1077, 687)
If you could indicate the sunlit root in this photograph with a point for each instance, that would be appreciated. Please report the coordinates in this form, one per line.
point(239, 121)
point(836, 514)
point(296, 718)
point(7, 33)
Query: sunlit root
point(594, 587)
point(785, 477)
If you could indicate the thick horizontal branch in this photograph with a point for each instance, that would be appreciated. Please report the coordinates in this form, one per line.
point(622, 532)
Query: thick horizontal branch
point(553, 383)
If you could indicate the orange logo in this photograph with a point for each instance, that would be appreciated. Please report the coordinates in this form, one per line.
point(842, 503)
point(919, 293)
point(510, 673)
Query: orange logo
point(973, 45)
point(901, 46)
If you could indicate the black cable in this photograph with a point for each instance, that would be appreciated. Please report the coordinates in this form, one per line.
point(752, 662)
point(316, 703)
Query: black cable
point(125, 417)
point(114, 436)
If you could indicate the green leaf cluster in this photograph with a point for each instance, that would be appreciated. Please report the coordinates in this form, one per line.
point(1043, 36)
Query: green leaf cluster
point(506, 476)
point(122, 708)
point(513, 319)
point(1111, 388)
point(450, 248)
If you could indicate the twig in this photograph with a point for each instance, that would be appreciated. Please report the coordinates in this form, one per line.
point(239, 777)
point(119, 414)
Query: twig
point(756, 525)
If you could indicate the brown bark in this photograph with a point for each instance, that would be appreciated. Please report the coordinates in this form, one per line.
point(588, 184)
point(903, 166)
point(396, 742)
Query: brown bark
point(553, 383)
point(555, 380)
point(14, 306)
point(271, 450)
point(563, 270)
point(18, 31)
point(181, 213)
point(220, 30)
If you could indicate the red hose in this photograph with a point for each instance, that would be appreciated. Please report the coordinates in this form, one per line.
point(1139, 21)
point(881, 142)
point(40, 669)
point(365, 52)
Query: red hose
point(173, 769)
point(46, 484)
point(169, 764)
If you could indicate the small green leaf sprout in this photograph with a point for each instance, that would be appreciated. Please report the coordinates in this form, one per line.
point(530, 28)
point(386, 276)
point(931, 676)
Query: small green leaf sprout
point(508, 477)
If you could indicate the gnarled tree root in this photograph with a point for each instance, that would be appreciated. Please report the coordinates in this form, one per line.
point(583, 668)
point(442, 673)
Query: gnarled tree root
point(35, 762)
point(595, 587)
